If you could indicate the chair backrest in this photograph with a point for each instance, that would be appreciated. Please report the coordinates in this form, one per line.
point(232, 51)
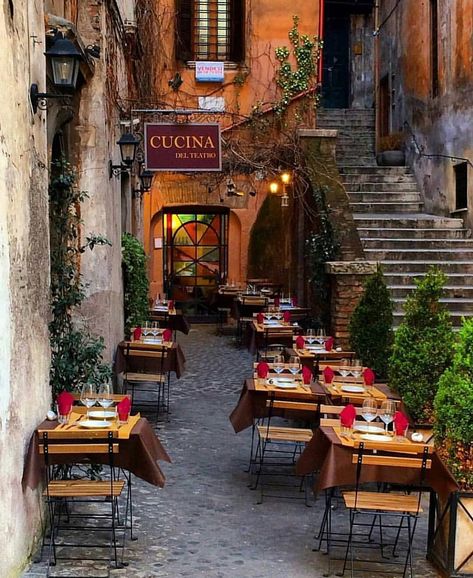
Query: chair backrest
point(145, 360)
point(334, 410)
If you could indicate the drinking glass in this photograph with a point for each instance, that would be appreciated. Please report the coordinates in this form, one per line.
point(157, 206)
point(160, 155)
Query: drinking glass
point(344, 369)
point(146, 329)
point(310, 336)
point(369, 411)
point(154, 329)
point(278, 364)
point(295, 366)
point(356, 368)
point(320, 335)
point(386, 412)
point(105, 397)
point(88, 396)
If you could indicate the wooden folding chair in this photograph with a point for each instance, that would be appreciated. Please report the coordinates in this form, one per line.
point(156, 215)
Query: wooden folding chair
point(63, 496)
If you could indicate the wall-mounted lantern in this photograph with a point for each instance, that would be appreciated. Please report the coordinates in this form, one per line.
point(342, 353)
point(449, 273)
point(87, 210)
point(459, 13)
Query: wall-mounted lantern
point(128, 144)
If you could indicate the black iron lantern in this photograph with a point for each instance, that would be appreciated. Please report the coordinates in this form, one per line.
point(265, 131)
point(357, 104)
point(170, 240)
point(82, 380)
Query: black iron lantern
point(65, 62)
point(146, 178)
point(128, 145)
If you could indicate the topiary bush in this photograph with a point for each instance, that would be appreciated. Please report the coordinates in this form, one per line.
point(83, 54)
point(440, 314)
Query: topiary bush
point(371, 334)
point(423, 347)
point(453, 410)
point(135, 282)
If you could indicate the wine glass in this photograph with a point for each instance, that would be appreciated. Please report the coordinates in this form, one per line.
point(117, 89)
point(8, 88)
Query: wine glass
point(344, 369)
point(278, 364)
point(310, 336)
point(154, 329)
point(356, 368)
point(320, 335)
point(369, 411)
point(295, 364)
point(146, 329)
point(386, 412)
point(88, 396)
point(104, 396)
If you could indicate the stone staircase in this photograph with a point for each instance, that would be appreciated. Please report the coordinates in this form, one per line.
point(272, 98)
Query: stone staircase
point(388, 211)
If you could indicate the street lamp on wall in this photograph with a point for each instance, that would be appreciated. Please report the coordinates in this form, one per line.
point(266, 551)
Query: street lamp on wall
point(128, 144)
point(146, 178)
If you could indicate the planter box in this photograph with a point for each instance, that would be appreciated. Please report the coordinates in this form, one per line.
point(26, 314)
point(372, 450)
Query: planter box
point(450, 545)
point(391, 159)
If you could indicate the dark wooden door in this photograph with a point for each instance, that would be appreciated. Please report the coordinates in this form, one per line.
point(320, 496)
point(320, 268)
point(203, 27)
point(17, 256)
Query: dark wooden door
point(335, 62)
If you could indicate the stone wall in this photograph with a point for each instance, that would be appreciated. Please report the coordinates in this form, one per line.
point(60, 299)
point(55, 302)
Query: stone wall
point(24, 272)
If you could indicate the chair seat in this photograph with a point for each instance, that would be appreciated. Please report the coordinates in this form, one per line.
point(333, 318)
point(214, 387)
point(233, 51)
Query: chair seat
point(285, 434)
point(382, 501)
point(144, 377)
point(84, 488)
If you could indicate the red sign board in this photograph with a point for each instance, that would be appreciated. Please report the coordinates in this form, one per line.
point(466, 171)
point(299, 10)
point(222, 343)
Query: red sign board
point(183, 147)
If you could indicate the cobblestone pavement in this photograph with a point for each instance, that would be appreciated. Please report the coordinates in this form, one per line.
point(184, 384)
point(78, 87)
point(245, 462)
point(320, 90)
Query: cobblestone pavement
point(205, 522)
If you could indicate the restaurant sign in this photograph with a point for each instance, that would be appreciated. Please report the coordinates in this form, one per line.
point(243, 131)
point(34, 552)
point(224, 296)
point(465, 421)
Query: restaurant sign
point(183, 147)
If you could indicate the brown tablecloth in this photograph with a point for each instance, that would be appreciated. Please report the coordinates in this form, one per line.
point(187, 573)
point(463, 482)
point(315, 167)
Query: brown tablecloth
point(326, 454)
point(175, 360)
point(139, 455)
point(175, 321)
point(252, 404)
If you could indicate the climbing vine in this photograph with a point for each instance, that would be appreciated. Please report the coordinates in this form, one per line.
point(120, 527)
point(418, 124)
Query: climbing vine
point(135, 282)
point(76, 355)
point(305, 51)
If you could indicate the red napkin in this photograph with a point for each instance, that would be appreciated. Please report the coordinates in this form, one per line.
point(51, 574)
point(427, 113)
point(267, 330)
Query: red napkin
point(400, 423)
point(170, 305)
point(277, 301)
point(368, 376)
point(123, 409)
point(294, 301)
point(347, 416)
point(167, 335)
point(137, 333)
point(300, 342)
point(259, 318)
point(64, 402)
point(306, 375)
point(329, 374)
point(262, 369)
point(287, 316)
point(329, 344)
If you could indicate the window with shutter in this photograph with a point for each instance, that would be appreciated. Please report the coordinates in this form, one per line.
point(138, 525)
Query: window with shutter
point(210, 30)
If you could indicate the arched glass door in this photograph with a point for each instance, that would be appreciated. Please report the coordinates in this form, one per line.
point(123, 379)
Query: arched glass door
point(195, 253)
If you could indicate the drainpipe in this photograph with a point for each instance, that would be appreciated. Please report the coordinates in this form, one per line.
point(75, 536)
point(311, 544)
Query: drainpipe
point(321, 37)
point(377, 51)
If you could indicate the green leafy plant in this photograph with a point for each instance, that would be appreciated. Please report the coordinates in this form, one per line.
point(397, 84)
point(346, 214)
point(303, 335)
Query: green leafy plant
point(370, 327)
point(135, 281)
point(453, 410)
point(423, 347)
point(76, 355)
point(294, 80)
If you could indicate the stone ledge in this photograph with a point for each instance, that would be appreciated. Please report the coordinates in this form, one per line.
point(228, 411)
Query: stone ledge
point(351, 267)
point(317, 133)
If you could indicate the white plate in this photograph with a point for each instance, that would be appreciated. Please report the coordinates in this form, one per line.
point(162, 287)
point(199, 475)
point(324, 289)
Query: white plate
point(353, 388)
point(376, 438)
point(152, 340)
point(371, 429)
point(94, 423)
point(282, 385)
point(102, 414)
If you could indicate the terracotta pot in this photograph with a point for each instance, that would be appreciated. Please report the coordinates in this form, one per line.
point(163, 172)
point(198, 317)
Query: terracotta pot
point(391, 159)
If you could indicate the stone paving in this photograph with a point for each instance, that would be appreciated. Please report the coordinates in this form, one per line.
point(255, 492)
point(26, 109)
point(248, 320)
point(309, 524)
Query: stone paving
point(205, 521)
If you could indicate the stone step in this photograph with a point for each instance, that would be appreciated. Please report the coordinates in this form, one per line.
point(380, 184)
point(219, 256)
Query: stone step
point(456, 317)
point(422, 266)
point(383, 208)
point(401, 278)
point(373, 178)
point(406, 220)
point(460, 304)
point(450, 291)
point(377, 170)
point(381, 187)
point(355, 161)
point(384, 197)
point(409, 255)
point(401, 233)
point(417, 244)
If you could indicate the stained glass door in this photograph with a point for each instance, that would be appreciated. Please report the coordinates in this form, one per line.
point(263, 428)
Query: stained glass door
point(195, 253)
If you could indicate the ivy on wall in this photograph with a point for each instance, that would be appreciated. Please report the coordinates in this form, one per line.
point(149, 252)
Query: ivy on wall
point(76, 354)
point(135, 282)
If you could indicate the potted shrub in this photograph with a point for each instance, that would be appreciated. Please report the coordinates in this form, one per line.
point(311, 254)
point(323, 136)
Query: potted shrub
point(423, 348)
point(371, 334)
point(452, 543)
point(391, 150)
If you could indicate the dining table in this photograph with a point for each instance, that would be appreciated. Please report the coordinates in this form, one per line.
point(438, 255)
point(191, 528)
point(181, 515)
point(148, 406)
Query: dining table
point(174, 319)
point(140, 450)
point(311, 356)
point(174, 361)
point(255, 334)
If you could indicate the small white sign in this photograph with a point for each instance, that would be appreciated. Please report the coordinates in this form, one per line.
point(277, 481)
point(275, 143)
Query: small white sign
point(209, 71)
point(213, 103)
point(158, 242)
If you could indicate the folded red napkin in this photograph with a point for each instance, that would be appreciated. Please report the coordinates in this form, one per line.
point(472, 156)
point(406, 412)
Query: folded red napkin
point(401, 423)
point(300, 342)
point(170, 305)
point(167, 335)
point(306, 375)
point(347, 416)
point(287, 316)
point(294, 301)
point(123, 409)
point(277, 301)
point(64, 402)
point(329, 374)
point(368, 376)
point(259, 318)
point(137, 333)
point(262, 369)
point(329, 344)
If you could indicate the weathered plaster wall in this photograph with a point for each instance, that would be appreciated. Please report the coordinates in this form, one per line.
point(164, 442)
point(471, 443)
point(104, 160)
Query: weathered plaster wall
point(441, 124)
point(362, 60)
point(24, 273)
